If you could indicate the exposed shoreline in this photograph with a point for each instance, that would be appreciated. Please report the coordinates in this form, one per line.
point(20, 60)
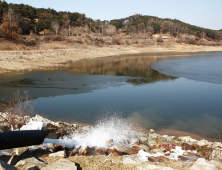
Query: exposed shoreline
point(30, 60)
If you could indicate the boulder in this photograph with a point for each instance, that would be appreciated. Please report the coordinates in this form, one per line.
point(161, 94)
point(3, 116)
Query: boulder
point(58, 154)
point(62, 164)
point(30, 163)
point(202, 163)
point(216, 163)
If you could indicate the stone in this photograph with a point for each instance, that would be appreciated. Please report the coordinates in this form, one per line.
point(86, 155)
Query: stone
point(187, 139)
point(58, 147)
point(143, 140)
point(42, 119)
point(58, 154)
point(151, 131)
point(30, 163)
point(31, 160)
point(134, 141)
point(131, 160)
point(5, 166)
point(186, 146)
point(216, 154)
point(217, 145)
point(216, 163)
point(114, 152)
point(2, 119)
point(109, 143)
point(202, 163)
point(204, 142)
point(176, 138)
point(62, 164)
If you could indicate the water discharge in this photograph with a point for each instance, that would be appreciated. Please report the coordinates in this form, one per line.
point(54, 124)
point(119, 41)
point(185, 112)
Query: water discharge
point(114, 128)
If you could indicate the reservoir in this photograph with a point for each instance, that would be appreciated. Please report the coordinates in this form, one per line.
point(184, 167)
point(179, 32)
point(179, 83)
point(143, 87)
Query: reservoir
point(180, 92)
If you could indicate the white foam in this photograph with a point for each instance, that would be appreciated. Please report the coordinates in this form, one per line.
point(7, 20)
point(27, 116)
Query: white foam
point(33, 125)
point(113, 128)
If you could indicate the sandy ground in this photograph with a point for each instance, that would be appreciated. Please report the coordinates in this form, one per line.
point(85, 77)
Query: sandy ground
point(49, 57)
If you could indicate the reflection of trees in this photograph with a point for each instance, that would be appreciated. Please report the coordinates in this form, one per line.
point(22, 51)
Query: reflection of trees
point(136, 66)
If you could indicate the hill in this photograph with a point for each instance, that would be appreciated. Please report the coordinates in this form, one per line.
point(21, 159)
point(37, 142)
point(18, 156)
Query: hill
point(35, 20)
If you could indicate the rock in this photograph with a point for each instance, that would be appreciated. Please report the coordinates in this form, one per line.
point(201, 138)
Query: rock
point(18, 153)
point(217, 145)
point(126, 150)
point(109, 143)
point(191, 154)
point(2, 119)
point(151, 131)
point(216, 163)
point(176, 138)
point(5, 166)
point(42, 119)
point(58, 154)
point(30, 163)
point(204, 142)
point(131, 160)
point(62, 164)
point(154, 139)
point(114, 152)
point(182, 158)
point(187, 139)
point(216, 154)
point(134, 141)
point(186, 146)
point(143, 140)
point(203, 164)
point(58, 147)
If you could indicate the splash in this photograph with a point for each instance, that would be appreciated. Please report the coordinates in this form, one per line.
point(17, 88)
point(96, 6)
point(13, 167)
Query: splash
point(115, 128)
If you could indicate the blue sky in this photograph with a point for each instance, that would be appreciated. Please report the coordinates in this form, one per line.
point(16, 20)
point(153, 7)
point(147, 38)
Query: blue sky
point(203, 13)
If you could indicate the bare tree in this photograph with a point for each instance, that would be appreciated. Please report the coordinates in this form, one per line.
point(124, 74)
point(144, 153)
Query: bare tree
point(55, 26)
point(109, 30)
point(10, 25)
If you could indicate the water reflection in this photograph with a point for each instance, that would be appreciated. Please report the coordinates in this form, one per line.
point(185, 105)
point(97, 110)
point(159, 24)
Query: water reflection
point(136, 66)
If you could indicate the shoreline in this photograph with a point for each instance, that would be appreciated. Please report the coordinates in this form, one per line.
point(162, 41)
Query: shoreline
point(34, 60)
point(87, 147)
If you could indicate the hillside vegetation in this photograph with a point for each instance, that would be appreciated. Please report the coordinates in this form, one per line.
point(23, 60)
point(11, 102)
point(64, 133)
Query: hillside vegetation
point(20, 19)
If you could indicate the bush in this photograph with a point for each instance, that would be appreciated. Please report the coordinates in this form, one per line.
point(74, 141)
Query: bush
point(117, 41)
point(159, 39)
point(191, 41)
point(18, 110)
point(57, 38)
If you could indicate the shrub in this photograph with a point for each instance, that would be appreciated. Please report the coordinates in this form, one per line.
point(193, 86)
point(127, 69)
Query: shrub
point(18, 110)
point(159, 39)
point(117, 41)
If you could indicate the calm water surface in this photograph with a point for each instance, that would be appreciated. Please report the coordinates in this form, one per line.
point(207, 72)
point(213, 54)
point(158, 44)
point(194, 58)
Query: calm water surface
point(180, 93)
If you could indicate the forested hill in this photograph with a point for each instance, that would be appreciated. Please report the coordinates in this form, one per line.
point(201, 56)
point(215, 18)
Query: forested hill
point(38, 19)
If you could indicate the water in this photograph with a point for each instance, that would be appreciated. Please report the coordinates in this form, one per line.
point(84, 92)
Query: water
point(130, 87)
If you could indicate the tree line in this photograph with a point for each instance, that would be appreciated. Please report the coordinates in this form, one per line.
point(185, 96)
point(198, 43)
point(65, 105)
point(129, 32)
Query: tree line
point(24, 19)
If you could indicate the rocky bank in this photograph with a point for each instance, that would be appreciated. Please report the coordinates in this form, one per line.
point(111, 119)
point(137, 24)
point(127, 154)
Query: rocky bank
point(137, 150)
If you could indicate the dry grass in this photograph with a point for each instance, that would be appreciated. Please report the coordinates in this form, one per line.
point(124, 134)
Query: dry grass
point(18, 110)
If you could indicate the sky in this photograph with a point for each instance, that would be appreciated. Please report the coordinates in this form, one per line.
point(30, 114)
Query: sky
point(203, 13)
